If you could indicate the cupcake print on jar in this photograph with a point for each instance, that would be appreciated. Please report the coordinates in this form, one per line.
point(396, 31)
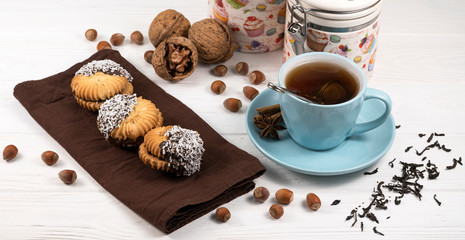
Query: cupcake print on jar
point(282, 15)
point(219, 12)
point(236, 4)
point(274, 1)
point(316, 41)
point(256, 46)
point(254, 27)
point(367, 43)
point(342, 50)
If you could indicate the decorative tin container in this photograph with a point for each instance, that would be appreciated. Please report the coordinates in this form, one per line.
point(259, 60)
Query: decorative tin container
point(257, 25)
point(345, 27)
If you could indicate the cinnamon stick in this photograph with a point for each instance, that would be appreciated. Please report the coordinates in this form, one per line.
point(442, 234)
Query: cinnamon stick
point(269, 110)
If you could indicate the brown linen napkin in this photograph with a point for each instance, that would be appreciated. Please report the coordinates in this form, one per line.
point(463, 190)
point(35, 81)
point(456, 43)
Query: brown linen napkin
point(166, 201)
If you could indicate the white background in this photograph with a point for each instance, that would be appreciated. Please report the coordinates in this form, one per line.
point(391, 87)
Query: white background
point(420, 63)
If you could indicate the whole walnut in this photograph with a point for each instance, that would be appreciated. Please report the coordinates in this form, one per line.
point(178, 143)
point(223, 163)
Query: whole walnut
point(213, 40)
point(175, 58)
point(166, 24)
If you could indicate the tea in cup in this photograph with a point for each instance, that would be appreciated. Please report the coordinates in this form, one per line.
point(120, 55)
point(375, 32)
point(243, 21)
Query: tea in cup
point(337, 89)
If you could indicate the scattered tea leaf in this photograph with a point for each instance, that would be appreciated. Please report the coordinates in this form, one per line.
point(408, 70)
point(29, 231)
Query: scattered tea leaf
point(371, 173)
point(377, 232)
point(437, 201)
point(335, 202)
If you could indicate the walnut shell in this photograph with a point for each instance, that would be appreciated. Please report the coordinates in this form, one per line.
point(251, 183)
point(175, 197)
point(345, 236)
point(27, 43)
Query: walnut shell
point(213, 40)
point(175, 58)
point(166, 24)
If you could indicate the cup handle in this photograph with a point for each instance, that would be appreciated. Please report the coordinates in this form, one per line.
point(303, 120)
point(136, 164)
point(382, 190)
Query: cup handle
point(374, 94)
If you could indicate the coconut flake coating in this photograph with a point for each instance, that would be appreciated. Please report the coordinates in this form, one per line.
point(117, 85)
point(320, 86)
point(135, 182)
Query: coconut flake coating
point(106, 66)
point(113, 111)
point(183, 150)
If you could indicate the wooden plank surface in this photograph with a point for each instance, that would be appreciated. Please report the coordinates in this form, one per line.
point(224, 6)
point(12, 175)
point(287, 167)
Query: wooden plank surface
point(420, 63)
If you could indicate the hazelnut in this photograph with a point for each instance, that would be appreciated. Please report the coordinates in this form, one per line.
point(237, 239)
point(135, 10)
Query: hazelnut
point(148, 56)
point(103, 45)
point(10, 152)
point(220, 70)
point(250, 92)
point(67, 176)
point(284, 196)
point(117, 39)
point(49, 157)
point(276, 211)
point(91, 34)
point(232, 104)
point(223, 214)
point(313, 201)
point(218, 87)
point(256, 77)
point(137, 38)
point(261, 194)
point(242, 68)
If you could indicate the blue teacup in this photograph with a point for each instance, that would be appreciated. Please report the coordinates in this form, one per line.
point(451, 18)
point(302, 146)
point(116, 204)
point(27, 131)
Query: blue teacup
point(322, 127)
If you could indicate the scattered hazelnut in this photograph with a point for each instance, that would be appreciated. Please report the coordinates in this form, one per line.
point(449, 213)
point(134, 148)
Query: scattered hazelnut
point(276, 211)
point(137, 38)
point(220, 70)
point(223, 214)
point(256, 77)
point(49, 157)
point(242, 68)
point(250, 92)
point(67, 176)
point(148, 56)
point(313, 201)
point(10, 152)
point(232, 104)
point(103, 45)
point(117, 39)
point(218, 87)
point(261, 194)
point(284, 196)
point(91, 34)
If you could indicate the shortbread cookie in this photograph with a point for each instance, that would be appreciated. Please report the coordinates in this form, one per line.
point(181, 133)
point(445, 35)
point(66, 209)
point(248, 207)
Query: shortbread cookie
point(125, 119)
point(172, 149)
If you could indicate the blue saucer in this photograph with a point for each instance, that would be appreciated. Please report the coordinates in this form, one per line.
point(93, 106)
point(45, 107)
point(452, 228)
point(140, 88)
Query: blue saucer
point(355, 153)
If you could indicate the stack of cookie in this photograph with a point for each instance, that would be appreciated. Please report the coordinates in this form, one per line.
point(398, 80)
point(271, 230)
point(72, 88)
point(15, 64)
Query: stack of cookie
point(131, 122)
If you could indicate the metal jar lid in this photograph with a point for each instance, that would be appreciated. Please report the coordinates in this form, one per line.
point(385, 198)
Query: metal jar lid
point(335, 15)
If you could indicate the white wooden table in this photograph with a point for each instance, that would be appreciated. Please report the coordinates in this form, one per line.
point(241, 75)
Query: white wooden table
point(420, 63)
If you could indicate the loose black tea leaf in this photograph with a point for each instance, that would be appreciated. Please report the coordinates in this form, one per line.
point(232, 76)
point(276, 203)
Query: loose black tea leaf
point(377, 232)
point(335, 202)
point(371, 173)
point(454, 163)
point(388, 217)
point(391, 163)
point(437, 201)
point(432, 169)
point(372, 217)
point(443, 147)
point(421, 135)
point(408, 148)
point(430, 137)
point(439, 134)
point(397, 126)
point(361, 226)
point(423, 159)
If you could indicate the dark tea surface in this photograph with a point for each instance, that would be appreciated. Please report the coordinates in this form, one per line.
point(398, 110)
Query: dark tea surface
point(323, 82)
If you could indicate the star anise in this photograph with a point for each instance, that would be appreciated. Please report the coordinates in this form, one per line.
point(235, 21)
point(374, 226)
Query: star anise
point(269, 125)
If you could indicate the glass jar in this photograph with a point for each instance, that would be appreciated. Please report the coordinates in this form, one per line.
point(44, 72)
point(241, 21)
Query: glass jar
point(346, 27)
